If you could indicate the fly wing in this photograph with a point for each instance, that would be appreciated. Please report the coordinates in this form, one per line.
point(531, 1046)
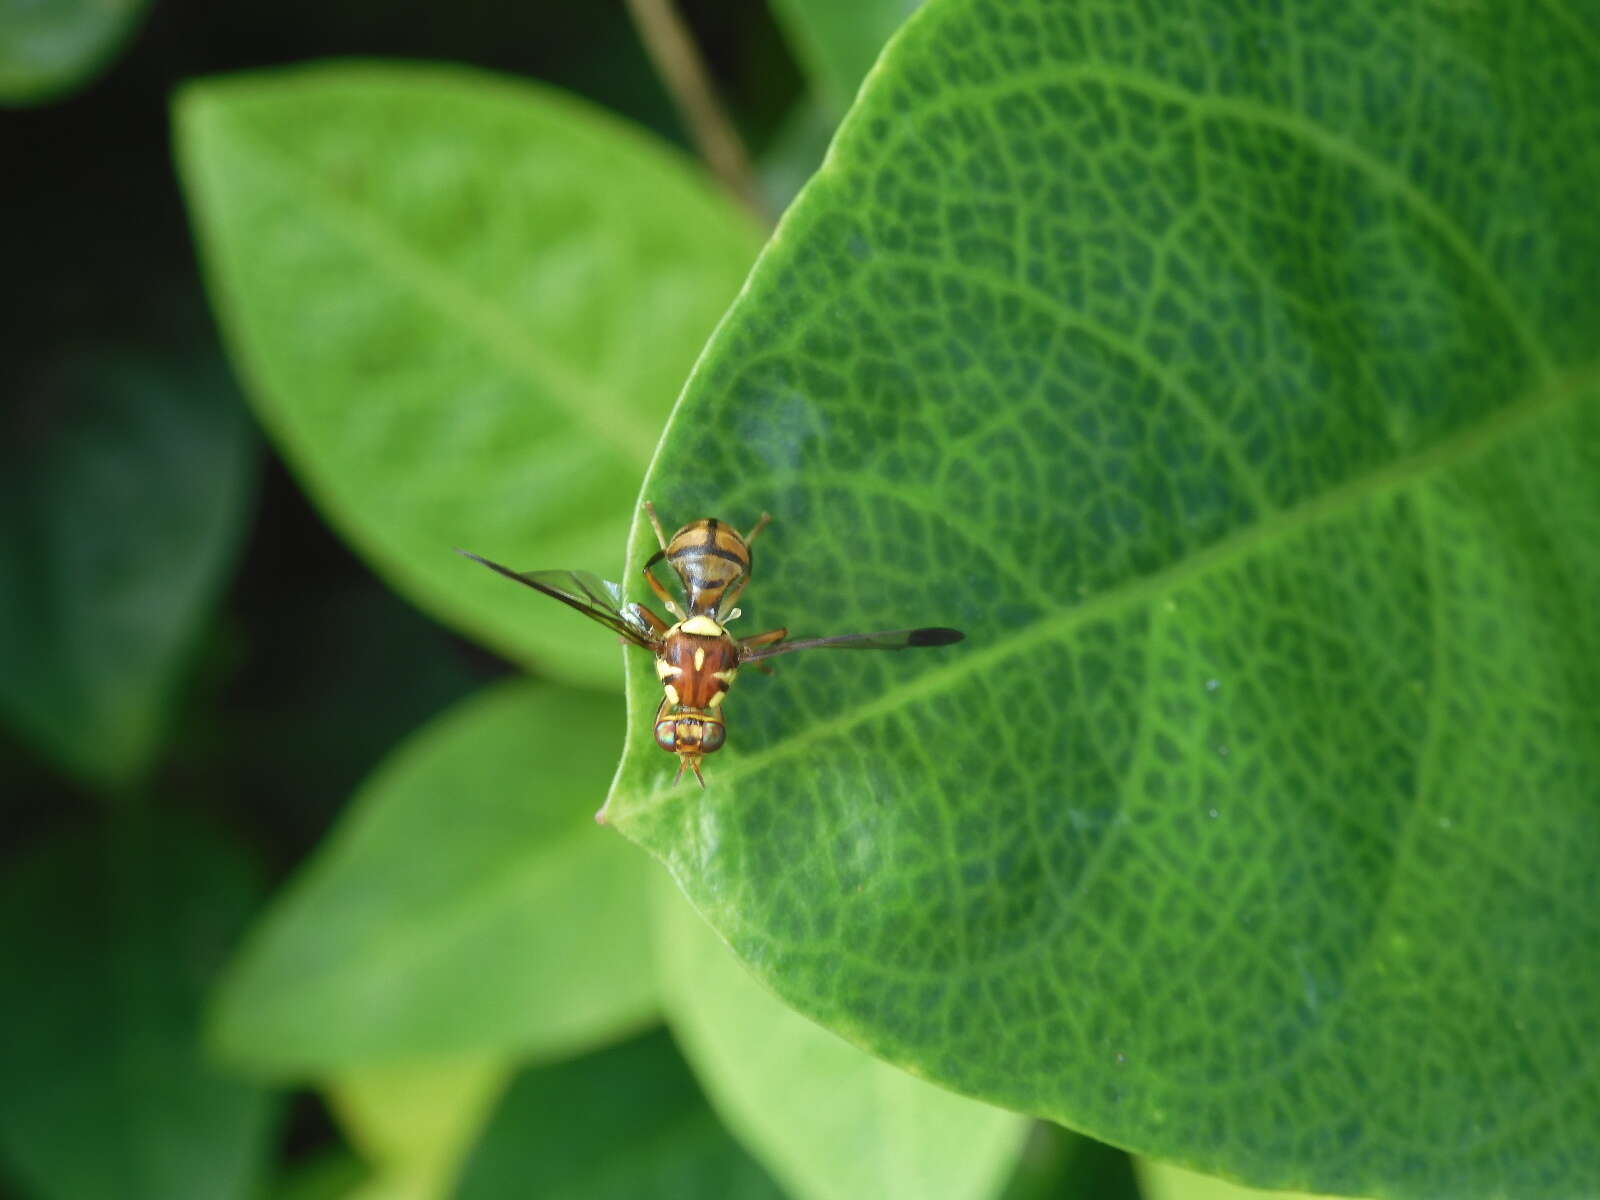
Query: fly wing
point(598, 599)
point(892, 639)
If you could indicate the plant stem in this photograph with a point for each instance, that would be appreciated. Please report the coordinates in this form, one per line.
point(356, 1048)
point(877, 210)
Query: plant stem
point(678, 61)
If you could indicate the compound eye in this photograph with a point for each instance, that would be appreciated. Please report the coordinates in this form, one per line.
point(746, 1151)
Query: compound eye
point(713, 738)
point(666, 736)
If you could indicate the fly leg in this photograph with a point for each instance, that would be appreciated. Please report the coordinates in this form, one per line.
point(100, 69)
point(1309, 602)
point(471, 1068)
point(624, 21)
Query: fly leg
point(656, 585)
point(656, 624)
point(763, 639)
point(766, 519)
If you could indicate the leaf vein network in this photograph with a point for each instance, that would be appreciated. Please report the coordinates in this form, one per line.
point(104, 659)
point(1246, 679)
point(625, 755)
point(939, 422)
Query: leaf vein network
point(1331, 143)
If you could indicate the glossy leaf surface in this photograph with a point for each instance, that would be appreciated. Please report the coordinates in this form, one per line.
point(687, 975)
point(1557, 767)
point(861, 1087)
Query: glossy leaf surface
point(123, 495)
point(627, 1123)
point(467, 903)
point(463, 306)
point(50, 47)
point(1228, 372)
point(829, 1121)
point(110, 941)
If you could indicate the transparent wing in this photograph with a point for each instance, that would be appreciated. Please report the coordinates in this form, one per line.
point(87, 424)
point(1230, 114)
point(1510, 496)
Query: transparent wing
point(598, 599)
point(892, 639)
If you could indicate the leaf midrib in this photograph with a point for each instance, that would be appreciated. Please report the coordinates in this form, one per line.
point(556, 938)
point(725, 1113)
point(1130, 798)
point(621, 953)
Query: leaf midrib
point(1475, 438)
point(589, 406)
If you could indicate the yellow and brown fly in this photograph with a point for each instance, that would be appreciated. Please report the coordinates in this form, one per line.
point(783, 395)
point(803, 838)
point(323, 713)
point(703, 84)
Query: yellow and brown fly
point(696, 657)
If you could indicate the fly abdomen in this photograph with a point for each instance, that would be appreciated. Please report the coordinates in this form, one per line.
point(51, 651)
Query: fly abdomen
point(710, 558)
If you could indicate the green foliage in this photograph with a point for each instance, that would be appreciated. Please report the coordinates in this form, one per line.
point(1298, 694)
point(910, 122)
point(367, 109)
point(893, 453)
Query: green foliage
point(839, 40)
point(559, 1130)
point(414, 1121)
point(1162, 1181)
point(335, 1175)
point(110, 940)
point(468, 903)
point(840, 1124)
point(1228, 371)
point(121, 508)
point(1228, 374)
point(1056, 1164)
point(465, 306)
point(51, 47)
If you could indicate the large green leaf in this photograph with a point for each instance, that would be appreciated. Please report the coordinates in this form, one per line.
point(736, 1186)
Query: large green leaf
point(1228, 372)
point(51, 47)
point(829, 1121)
point(627, 1123)
point(110, 940)
point(463, 305)
point(467, 904)
point(124, 484)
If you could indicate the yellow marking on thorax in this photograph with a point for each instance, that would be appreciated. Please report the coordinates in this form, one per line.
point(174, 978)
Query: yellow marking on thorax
point(702, 626)
point(717, 699)
point(699, 658)
point(672, 694)
point(666, 670)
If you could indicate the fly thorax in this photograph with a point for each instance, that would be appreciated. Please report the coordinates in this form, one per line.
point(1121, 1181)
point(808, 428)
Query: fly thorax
point(698, 663)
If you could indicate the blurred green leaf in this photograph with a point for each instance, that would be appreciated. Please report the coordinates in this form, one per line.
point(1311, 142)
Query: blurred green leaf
point(837, 41)
point(332, 1175)
point(831, 1122)
point(1229, 374)
point(465, 306)
point(627, 1123)
point(1163, 1181)
point(414, 1121)
point(123, 491)
point(110, 942)
point(795, 153)
point(1057, 1164)
point(51, 47)
point(467, 904)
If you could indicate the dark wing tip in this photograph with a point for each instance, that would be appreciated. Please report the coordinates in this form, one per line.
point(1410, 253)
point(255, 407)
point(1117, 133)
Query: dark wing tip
point(490, 563)
point(936, 636)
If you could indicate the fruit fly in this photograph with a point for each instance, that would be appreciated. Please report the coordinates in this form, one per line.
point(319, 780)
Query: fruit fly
point(697, 659)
